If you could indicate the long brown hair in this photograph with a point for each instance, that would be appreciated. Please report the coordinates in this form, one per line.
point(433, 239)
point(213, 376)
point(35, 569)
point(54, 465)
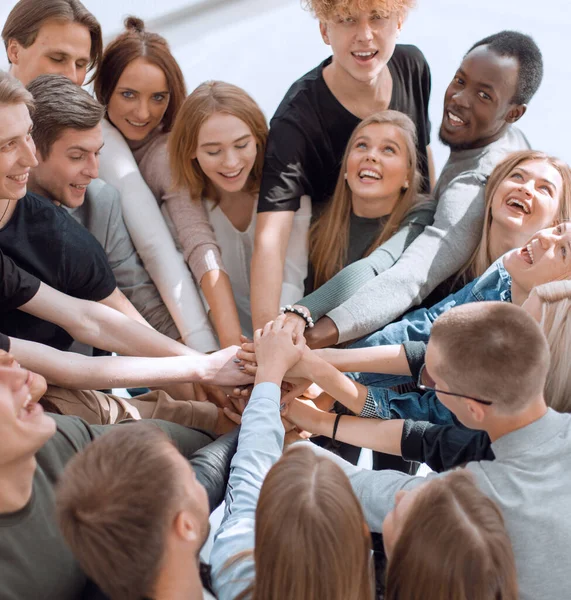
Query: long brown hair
point(311, 537)
point(138, 43)
point(453, 544)
point(329, 258)
point(28, 16)
point(209, 98)
point(481, 258)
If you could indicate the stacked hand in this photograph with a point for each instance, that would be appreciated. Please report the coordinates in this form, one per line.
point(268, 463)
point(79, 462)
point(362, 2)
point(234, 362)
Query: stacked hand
point(277, 347)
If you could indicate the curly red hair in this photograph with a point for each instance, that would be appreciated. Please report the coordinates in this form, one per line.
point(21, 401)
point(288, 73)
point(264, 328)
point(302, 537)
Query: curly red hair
point(325, 9)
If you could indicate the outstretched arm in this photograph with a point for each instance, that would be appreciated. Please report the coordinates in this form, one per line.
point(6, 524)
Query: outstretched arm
point(376, 434)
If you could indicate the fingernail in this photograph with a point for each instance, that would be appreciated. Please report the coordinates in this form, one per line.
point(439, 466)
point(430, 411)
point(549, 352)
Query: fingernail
point(242, 368)
point(236, 360)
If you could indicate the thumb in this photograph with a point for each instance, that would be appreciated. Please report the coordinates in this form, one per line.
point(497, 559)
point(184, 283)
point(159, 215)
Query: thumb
point(235, 417)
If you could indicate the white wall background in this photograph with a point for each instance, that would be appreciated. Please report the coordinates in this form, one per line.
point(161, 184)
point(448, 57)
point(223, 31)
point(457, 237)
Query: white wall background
point(264, 45)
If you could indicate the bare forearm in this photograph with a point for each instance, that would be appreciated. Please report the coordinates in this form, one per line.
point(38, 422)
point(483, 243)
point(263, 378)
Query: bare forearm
point(350, 393)
point(121, 303)
point(381, 359)
point(76, 371)
point(270, 246)
point(218, 292)
point(100, 326)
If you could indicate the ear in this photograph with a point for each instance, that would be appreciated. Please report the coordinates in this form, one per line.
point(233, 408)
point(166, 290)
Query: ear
point(13, 51)
point(184, 527)
point(399, 26)
point(324, 34)
point(477, 411)
point(516, 113)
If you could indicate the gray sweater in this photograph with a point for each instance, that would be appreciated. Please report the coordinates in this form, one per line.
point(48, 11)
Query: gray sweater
point(529, 480)
point(101, 214)
point(440, 251)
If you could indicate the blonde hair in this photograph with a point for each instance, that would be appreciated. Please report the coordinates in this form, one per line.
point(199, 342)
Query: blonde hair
point(326, 9)
point(453, 544)
point(209, 98)
point(481, 258)
point(555, 298)
point(12, 91)
point(327, 258)
point(311, 538)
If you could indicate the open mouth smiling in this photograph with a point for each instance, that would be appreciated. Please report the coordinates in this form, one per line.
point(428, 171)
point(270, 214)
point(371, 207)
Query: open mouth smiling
point(519, 205)
point(369, 174)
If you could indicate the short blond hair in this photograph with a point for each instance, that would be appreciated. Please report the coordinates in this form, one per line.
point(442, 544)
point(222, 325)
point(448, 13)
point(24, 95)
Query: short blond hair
point(12, 91)
point(495, 351)
point(324, 10)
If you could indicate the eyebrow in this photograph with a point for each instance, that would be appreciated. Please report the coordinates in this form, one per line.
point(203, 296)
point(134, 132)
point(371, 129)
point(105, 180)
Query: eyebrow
point(129, 89)
point(481, 84)
point(82, 149)
point(15, 137)
point(366, 138)
point(65, 54)
point(247, 135)
point(529, 174)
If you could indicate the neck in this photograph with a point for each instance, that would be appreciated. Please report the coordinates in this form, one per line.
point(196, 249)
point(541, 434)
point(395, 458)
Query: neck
point(360, 97)
point(16, 481)
point(36, 188)
point(179, 579)
point(508, 423)
point(503, 240)
point(373, 208)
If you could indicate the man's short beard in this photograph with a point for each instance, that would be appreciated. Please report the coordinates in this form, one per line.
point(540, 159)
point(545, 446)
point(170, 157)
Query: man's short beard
point(455, 147)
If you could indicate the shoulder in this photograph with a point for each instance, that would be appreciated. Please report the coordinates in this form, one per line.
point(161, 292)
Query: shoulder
point(299, 96)
point(409, 57)
point(423, 207)
point(72, 435)
point(512, 141)
point(34, 204)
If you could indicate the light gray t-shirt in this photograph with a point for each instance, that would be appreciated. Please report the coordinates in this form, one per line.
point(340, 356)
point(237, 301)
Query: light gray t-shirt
point(437, 253)
point(529, 480)
point(101, 214)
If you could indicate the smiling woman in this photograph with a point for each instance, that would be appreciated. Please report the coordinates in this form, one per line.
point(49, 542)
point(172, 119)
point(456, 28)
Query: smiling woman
point(223, 131)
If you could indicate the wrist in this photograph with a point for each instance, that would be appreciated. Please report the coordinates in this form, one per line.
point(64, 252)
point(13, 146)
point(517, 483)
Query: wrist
point(269, 374)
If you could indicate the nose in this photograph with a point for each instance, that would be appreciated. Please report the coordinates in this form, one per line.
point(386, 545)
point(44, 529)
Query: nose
point(230, 159)
point(364, 31)
point(91, 168)
point(460, 97)
point(28, 154)
point(142, 111)
point(547, 237)
point(528, 188)
point(72, 74)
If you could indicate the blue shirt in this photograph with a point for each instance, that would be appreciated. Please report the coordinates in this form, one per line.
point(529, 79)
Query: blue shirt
point(260, 445)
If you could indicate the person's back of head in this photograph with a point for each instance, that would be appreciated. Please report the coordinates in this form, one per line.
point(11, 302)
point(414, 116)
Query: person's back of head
point(118, 503)
point(311, 537)
point(523, 48)
point(27, 18)
point(493, 351)
point(60, 105)
point(453, 544)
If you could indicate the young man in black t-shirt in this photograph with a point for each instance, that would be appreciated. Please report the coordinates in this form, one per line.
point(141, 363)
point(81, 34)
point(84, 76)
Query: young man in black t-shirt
point(310, 129)
point(35, 561)
point(40, 237)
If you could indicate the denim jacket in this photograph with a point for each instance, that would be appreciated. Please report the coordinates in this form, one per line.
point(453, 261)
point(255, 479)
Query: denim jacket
point(260, 445)
point(494, 284)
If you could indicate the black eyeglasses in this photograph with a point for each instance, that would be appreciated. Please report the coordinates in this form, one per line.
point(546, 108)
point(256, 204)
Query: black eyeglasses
point(426, 388)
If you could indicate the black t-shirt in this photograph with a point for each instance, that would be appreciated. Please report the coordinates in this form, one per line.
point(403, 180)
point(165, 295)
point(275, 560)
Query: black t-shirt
point(310, 130)
point(16, 286)
point(44, 240)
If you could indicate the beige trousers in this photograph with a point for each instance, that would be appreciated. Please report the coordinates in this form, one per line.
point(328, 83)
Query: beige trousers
point(98, 408)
